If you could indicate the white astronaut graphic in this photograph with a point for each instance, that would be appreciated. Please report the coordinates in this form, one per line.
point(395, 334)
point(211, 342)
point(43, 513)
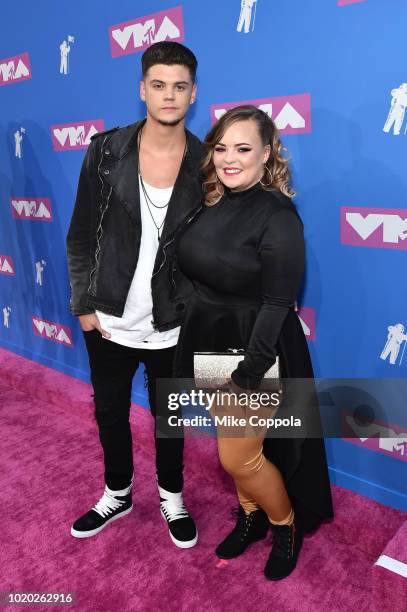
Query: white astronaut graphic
point(395, 338)
point(18, 137)
point(39, 268)
point(65, 49)
point(397, 111)
point(247, 11)
point(6, 316)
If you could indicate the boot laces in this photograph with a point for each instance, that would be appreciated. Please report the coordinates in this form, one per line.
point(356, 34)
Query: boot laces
point(283, 540)
point(244, 522)
point(107, 504)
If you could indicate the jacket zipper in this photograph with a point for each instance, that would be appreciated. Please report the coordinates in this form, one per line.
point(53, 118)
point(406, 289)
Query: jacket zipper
point(172, 240)
point(99, 231)
point(155, 326)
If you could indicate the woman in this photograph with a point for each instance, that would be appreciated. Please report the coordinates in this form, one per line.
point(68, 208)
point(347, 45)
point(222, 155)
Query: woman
point(244, 253)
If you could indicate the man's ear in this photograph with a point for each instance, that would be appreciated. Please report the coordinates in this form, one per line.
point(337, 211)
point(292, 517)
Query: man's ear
point(194, 93)
point(142, 91)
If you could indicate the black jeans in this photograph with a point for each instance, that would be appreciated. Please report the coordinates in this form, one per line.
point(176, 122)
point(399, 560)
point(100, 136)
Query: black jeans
point(112, 368)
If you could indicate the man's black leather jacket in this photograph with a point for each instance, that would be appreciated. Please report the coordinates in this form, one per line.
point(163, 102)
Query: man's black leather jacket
point(103, 240)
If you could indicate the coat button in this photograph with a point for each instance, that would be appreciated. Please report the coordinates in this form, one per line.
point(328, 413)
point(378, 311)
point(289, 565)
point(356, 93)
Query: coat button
point(179, 307)
point(106, 171)
point(107, 152)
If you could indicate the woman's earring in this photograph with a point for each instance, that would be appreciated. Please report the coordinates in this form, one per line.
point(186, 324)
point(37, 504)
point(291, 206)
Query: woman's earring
point(266, 168)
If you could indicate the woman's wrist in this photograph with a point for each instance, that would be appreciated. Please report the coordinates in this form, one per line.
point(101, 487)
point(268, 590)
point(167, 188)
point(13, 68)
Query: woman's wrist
point(245, 382)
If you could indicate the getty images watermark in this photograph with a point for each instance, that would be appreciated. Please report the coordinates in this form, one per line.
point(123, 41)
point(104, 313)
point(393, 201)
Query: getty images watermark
point(238, 406)
point(369, 412)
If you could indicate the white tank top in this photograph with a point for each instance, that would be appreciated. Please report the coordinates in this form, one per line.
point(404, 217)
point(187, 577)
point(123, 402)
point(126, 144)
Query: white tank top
point(135, 328)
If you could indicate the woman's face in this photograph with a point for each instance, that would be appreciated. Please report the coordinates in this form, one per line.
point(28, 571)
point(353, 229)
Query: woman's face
point(240, 155)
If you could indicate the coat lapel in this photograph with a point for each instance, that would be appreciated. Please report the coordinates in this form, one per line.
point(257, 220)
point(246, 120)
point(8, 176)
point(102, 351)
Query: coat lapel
point(119, 169)
point(184, 199)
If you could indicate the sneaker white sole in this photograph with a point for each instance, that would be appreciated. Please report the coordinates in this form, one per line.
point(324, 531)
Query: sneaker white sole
point(89, 534)
point(181, 543)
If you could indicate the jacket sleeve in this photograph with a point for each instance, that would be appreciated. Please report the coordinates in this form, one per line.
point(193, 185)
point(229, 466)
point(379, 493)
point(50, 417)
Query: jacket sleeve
point(282, 255)
point(78, 241)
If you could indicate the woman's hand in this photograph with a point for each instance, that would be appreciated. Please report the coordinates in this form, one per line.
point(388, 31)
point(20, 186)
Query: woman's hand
point(249, 398)
point(89, 322)
point(231, 387)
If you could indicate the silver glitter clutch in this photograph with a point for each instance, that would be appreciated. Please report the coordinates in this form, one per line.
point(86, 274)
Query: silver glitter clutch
point(212, 370)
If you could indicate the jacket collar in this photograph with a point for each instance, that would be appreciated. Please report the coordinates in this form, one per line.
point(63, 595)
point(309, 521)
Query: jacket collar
point(125, 139)
point(119, 168)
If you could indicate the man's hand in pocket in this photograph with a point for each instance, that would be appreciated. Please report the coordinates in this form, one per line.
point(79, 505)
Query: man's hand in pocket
point(89, 322)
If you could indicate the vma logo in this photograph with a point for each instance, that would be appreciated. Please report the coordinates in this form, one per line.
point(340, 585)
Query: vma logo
point(384, 228)
point(38, 209)
point(346, 2)
point(6, 265)
point(377, 436)
point(291, 114)
point(71, 136)
point(13, 69)
point(138, 34)
point(307, 319)
point(52, 331)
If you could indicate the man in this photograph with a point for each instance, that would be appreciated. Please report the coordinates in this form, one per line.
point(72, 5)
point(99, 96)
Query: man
point(137, 185)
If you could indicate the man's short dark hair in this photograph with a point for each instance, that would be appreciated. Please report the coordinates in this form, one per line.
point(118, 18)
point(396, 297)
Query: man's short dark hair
point(169, 53)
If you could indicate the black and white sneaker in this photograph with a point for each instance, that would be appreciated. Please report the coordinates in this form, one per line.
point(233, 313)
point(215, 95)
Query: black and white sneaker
point(181, 526)
point(111, 506)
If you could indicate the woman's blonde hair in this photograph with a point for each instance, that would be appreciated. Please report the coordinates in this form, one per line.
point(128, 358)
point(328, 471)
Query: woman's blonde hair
point(276, 171)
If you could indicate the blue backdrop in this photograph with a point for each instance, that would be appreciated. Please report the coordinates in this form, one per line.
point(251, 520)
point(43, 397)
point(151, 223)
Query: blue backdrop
point(334, 80)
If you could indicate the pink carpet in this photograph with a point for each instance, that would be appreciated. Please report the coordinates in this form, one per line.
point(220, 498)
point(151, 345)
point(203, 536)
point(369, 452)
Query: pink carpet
point(52, 472)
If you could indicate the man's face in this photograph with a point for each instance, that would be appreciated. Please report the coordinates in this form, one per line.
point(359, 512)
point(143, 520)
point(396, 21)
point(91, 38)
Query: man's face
point(168, 92)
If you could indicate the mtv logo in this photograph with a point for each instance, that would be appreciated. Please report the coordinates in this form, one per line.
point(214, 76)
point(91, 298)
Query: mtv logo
point(6, 265)
point(377, 436)
point(307, 319)
point(384, 228)
point(291, 114)
point(70, 136)
point(346, 2)
point(138, 34)
point(38, 209)
point(52, 331)
point(13, 69)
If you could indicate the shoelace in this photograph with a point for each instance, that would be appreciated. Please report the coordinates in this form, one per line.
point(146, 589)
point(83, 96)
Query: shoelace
point(173, 510)
point(283, 540)
point(107, 504)
point(244, 522)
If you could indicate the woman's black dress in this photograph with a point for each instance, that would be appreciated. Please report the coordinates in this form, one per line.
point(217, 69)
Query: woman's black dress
point(245, 257)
